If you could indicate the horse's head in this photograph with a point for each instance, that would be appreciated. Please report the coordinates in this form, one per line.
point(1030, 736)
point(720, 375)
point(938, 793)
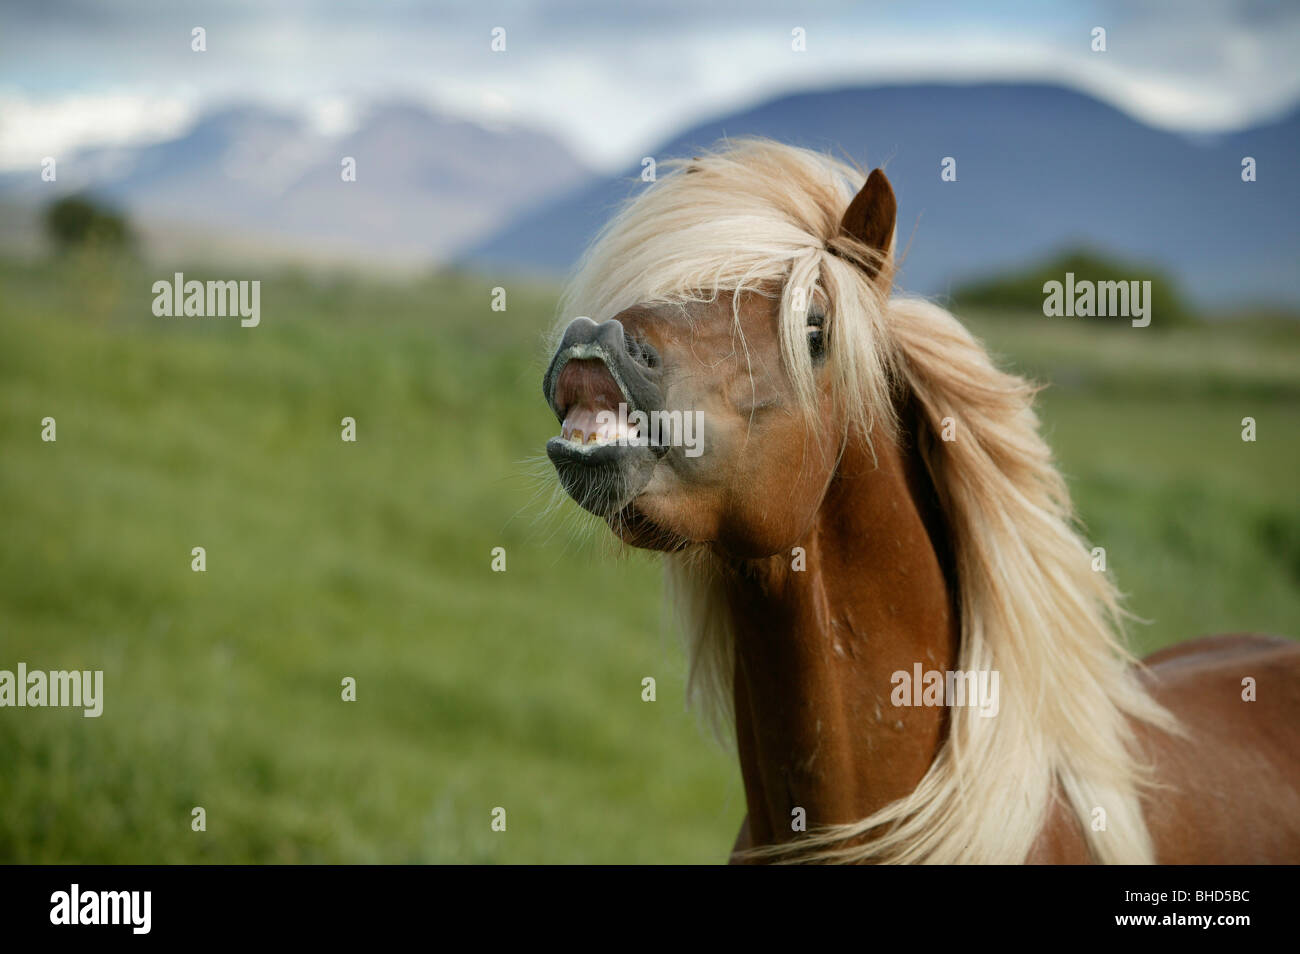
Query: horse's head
point(710, 413)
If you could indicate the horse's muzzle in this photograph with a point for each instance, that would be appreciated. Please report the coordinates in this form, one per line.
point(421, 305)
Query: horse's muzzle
point(599, 383)
point(632, 363)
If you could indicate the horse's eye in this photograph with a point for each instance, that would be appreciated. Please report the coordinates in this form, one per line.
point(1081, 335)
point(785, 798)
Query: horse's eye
point(816, 335)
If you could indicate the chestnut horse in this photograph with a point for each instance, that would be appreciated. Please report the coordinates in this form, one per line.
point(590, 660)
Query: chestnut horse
point(872, 502)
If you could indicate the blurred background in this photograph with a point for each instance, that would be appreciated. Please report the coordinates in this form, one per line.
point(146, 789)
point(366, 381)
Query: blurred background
point(127, 154)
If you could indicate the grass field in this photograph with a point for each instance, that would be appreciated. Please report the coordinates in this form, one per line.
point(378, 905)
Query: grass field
point(475, 689)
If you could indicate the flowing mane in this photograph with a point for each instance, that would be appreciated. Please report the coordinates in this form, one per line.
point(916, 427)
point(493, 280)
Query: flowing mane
point(762, 216)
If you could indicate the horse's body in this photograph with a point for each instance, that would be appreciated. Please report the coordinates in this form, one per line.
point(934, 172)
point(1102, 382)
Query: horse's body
point(1229, 791)
point(875, 500)
point(1232, 789)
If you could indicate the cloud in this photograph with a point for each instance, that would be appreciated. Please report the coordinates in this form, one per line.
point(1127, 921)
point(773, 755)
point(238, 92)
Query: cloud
point(31, 129)
point(612, 81)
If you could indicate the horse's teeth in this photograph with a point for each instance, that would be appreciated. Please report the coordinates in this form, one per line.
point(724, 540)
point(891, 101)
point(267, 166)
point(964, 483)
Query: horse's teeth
point(600, 434)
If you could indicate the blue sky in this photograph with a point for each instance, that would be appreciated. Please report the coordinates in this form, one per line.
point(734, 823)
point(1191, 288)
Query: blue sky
point(610, 80)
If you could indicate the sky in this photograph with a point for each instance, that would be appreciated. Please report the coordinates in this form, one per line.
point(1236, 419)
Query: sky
point(613, 79)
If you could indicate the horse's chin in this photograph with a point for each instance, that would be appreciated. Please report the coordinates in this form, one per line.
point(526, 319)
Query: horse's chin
point(637, 528)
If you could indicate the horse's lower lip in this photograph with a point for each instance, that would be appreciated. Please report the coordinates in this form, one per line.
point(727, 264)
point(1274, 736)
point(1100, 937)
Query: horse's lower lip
point(601, 478)
point(591, 455)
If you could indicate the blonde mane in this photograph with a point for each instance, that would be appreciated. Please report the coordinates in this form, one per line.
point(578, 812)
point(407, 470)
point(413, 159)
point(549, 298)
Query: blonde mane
point(758, 215)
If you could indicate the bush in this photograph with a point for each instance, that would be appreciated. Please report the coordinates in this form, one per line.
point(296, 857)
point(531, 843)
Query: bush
point(80, 222)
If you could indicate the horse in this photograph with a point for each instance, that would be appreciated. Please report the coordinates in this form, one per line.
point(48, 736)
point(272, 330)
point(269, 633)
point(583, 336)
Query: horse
point(873, 498)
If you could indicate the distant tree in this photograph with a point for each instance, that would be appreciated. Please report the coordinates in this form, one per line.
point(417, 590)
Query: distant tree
point(1022, 290)
point(80, 222)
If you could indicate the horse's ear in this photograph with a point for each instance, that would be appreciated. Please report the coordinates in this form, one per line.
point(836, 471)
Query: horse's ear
point(870, 217)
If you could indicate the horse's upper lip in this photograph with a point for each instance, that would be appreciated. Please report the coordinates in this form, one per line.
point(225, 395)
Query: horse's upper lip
point(587, 380)
point(632, 364)
point(560, 401)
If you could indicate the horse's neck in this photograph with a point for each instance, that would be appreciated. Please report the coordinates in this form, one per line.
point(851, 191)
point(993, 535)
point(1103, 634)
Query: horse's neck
point(816, 649)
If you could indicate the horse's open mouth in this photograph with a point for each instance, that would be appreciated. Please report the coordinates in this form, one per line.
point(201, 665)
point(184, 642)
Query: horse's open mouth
point(599, 456)
point(593, 406)
point(598, 389)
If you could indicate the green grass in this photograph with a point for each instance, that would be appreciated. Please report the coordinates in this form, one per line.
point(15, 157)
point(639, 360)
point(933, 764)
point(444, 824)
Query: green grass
point(475, 689)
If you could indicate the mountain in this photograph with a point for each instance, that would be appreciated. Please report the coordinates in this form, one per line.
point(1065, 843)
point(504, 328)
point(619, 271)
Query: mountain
point(425, 185)
point(1039, 168)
